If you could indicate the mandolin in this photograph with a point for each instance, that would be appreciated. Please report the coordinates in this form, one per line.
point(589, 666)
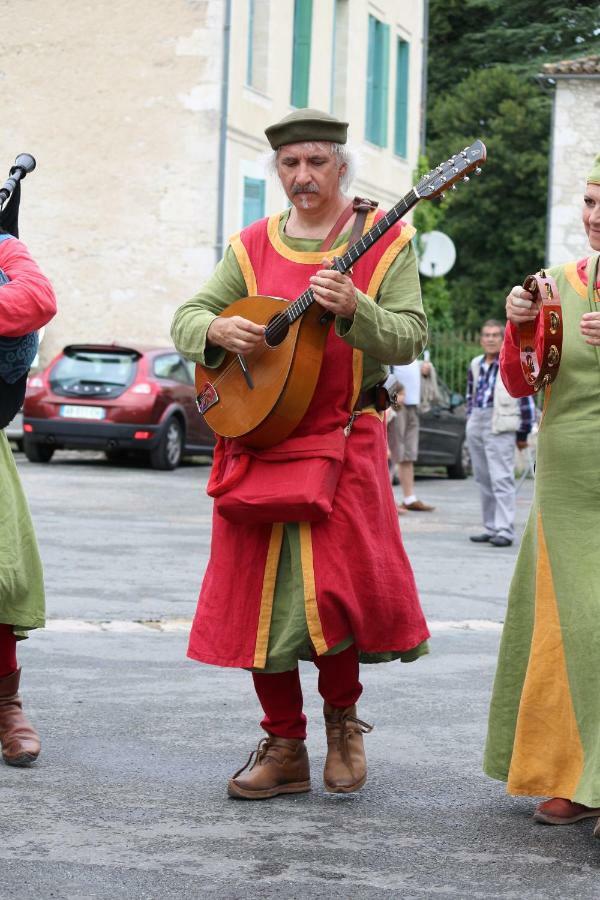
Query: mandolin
point(260, 398)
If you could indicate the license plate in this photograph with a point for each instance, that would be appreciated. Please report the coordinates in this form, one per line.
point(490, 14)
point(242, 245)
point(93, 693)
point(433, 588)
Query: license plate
point(82, 412)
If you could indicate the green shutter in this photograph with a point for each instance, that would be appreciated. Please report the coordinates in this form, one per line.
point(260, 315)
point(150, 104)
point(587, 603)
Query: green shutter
point(254, 200)
point(401, 125)
point(384, 81)
point(377, 82)
point(301, 52)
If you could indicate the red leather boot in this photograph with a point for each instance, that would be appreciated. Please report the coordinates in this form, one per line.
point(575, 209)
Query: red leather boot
point(20, 741)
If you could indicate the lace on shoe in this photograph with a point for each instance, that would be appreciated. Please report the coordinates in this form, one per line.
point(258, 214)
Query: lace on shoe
point(265, 748)
point(345, 722)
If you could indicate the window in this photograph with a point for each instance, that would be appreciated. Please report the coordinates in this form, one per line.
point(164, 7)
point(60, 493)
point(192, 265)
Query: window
point(301, 52)
point(401, 125)
point(254, 200)
point(377, 82)
point(172, 368)
point(258, 44)
point(339, 59)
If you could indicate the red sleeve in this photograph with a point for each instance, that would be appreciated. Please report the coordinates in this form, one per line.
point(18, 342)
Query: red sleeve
point(510, 364)
point(27, 302)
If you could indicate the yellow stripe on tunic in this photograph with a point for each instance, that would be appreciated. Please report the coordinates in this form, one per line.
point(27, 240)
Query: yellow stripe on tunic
point(310, 593)
point(268, 593)
point(547, 754)
point(407, 233)
point(241, 254)
point(307, 257)
point(572, 276)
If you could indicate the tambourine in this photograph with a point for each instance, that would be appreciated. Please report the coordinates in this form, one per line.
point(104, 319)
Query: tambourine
point(540, 373)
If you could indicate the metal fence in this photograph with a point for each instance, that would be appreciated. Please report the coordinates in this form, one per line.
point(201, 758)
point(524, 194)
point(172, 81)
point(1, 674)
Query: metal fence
point(451, 352)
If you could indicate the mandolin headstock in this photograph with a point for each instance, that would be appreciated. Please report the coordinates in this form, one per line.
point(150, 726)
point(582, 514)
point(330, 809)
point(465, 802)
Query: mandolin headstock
point(447, 174)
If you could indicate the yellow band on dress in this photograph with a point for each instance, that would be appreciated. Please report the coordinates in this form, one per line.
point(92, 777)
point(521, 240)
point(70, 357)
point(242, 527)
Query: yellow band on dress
point(267, 597)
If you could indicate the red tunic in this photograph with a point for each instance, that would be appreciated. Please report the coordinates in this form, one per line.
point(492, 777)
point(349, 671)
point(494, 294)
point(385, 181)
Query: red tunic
point(358, 581)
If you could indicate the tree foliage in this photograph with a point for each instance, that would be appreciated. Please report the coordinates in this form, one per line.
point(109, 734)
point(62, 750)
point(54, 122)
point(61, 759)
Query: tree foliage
point(483, 57)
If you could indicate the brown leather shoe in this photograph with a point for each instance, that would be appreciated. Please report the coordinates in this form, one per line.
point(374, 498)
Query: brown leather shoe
point(418, 506)
point(20, 741)
point(280, 766)
point(346, 764)
point(558, 811)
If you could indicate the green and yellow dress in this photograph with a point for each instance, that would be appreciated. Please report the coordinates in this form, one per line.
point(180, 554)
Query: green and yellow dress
point(21, 580)
point(544, 727)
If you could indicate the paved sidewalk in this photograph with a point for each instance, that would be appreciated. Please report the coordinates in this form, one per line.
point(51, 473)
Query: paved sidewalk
point(128, 798)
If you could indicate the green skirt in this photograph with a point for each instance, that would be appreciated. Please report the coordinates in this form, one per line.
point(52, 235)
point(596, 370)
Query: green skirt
point(289, 639)
point(21, 578)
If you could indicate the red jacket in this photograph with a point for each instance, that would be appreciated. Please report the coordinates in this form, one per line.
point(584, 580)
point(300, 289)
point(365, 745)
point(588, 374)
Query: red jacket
point(27, 302)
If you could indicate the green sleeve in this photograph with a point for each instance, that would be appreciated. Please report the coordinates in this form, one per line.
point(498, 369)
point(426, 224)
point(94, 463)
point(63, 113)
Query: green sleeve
point(392, 331)
point(192, 319)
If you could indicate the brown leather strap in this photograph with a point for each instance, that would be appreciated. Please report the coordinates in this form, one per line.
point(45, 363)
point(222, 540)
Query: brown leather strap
point(376, 396)
point(335, 232)
point(362, 207)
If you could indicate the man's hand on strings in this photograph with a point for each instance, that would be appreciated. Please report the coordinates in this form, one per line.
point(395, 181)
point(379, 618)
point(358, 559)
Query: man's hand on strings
point(590, 328)
point(520, 307)
point(235, 334)
point(334, 291)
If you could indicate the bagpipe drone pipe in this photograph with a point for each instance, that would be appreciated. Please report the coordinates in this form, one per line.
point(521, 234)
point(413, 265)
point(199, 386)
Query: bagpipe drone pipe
point(16, 353)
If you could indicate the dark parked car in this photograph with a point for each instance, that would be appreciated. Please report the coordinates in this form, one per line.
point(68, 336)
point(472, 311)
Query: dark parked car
point(119, 399)
point(442, 434)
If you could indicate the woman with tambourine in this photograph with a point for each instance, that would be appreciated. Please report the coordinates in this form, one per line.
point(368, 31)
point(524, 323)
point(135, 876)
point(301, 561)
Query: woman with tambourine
point(26, 304)
point(544, 730)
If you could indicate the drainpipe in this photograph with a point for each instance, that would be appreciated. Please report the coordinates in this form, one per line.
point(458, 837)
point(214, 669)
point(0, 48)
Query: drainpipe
point(424, 76)
point(223, 131)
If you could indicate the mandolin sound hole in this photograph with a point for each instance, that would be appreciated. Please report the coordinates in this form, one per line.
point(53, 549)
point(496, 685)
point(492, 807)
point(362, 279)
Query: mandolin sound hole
point(276, 330)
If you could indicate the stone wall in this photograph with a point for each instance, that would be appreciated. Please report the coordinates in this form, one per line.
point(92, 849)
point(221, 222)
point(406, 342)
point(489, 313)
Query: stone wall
point(576, 141)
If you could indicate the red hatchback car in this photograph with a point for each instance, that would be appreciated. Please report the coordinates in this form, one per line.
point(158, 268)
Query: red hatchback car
point(119, 399)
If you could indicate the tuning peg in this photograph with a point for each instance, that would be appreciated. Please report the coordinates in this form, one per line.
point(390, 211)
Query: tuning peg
point(478, 171)
point(453, 188)
point(442, 195)
point(466, 178)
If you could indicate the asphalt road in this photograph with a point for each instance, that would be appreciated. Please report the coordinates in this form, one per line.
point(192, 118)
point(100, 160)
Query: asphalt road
point(128, 798)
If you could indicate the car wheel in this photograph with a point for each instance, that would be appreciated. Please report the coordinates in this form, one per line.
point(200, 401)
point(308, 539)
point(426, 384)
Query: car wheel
point(462, 467)
point(169, 450)
point(38, 453)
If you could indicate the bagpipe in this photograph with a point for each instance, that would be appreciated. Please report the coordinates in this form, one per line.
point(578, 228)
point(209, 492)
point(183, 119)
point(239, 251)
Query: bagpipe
point(16, 353)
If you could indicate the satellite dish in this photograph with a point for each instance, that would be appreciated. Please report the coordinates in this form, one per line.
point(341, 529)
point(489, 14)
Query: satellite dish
point(438, 254)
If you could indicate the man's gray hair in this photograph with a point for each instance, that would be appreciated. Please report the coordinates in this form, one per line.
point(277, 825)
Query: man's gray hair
point(344, 155)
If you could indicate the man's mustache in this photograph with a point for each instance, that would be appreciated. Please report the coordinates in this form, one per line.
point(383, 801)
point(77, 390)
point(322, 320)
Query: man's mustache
point(310, 188)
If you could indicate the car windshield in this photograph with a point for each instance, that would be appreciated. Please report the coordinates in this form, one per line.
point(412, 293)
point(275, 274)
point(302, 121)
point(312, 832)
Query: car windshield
point(111, 369)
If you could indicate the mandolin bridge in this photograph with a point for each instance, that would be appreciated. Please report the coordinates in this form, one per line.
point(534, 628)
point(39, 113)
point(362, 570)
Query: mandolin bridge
point(207, 397)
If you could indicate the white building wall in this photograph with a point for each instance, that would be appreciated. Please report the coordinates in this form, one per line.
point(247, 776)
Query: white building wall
point(575, 144)
point(382, 176)
point(119, 102)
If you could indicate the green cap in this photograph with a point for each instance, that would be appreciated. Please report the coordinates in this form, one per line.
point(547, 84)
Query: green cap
point(306, 125)
point(594, 176)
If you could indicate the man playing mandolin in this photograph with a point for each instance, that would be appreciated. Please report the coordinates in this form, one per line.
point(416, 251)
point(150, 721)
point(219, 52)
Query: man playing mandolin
point(334, 588)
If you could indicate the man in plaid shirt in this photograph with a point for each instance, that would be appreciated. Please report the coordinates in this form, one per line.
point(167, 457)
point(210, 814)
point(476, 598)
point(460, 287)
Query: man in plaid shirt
point(496, 421)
